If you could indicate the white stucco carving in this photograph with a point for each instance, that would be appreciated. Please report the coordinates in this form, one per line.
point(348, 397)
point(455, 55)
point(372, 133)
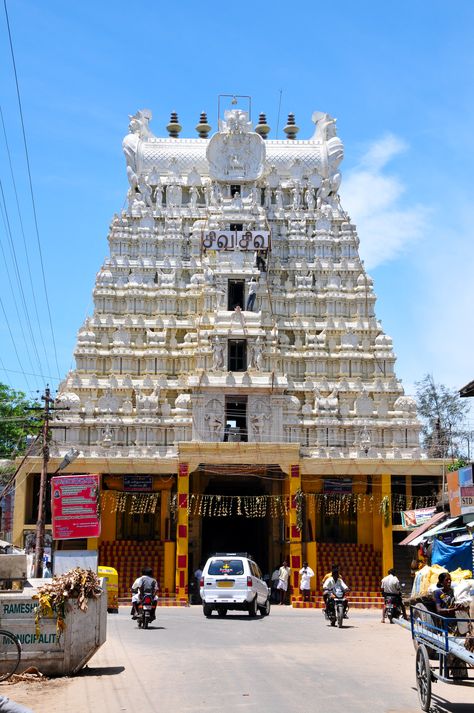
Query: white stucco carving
point(311, 364)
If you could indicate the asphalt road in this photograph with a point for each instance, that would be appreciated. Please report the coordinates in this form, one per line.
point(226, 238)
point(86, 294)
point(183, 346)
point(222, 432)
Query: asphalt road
point(289, 662)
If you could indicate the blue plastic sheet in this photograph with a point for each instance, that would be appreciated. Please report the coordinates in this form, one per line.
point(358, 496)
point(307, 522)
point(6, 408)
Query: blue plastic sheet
point(452, 556)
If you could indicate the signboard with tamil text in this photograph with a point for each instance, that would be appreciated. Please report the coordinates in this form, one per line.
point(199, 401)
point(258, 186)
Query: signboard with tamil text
point(74, 506)
point(246, 240)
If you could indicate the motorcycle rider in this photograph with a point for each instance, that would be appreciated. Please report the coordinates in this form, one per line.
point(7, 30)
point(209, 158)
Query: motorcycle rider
point(145, 584)
point(390, 586)
point(333, 586)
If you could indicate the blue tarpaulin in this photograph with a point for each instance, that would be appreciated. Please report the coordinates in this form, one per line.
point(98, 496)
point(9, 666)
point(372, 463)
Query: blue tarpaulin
point(452, 556)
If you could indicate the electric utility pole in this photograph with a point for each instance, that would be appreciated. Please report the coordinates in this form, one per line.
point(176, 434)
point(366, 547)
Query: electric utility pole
point(40, 524)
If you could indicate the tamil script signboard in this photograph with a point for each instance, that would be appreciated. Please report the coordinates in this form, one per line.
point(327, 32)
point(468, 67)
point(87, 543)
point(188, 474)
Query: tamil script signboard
point(74, 506)
point(236, 240)
point(138, 483)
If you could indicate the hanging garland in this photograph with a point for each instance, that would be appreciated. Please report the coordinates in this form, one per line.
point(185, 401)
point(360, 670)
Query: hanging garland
point(278, 506)
point(114, 501)
point(299, 496)
point(249, 506)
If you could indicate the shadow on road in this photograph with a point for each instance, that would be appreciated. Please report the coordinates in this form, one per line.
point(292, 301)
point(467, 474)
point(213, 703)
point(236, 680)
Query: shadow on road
point(101, 671)
point(237, 617)
point(441, 705)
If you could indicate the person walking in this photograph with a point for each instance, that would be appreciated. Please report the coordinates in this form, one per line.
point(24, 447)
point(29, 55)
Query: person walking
point(305, 581)
point(283, 579)
point(252, 294)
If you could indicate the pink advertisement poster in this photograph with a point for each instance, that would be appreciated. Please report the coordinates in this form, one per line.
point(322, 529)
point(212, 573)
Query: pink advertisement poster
point(75, 506)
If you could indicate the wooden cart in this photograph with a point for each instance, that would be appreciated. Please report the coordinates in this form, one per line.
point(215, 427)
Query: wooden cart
point(440, 652)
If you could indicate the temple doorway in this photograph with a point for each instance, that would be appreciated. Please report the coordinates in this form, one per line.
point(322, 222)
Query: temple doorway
point(236, 533)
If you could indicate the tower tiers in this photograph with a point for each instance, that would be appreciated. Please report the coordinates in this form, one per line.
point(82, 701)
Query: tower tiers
point(234, 306)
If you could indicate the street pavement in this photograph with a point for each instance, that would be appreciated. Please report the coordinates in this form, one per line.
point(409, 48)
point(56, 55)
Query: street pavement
point(289, 662)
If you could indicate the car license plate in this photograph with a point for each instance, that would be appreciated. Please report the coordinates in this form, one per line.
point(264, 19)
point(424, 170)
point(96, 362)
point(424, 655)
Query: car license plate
point(225, 582)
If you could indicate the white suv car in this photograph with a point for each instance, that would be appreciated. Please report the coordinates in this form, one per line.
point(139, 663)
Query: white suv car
point(233, 581)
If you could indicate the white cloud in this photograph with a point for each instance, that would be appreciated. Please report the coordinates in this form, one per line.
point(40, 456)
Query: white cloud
point(374, 200)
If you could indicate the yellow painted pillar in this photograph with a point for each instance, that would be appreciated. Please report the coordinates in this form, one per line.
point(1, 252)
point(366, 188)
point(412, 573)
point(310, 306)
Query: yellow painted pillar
point(312, 559)
point(386, 518)
point(295, 534)
point(92, 543)
point(182, 535)
point(169, 554)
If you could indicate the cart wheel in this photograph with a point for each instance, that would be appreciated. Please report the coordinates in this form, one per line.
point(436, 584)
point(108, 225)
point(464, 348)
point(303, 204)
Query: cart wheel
point(423, 677)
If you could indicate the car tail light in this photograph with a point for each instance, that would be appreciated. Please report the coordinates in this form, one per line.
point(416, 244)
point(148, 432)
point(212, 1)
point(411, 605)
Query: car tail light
point(249, 581)
point(201, 582)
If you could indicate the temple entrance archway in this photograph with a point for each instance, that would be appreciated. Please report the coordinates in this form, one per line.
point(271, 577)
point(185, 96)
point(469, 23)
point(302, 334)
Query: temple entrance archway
point(236, 533)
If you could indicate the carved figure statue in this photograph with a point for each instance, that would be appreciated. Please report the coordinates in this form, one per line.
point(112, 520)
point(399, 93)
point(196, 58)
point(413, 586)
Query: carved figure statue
point(158, 196)
point(309, 196)
point(145, 191)
point(214, 424)
point(256, 359)
point(138, 130)
point(278, 199)
point(257, 421)
point(193, 196)
point(237, 201)
point(328, 404)
point(216, 196)
point(217, 354)
point(296, 198)
point(174, 196)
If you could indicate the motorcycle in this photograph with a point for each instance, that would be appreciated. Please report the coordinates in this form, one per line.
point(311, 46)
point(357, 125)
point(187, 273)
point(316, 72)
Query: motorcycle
point(392, 607)
point(146, 611)
point(335, 608)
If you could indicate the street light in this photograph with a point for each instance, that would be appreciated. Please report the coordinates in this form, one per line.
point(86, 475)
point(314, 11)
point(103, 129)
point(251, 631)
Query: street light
point(70, 456)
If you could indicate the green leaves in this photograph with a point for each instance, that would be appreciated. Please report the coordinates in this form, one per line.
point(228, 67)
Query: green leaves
point(442, 413)
point(16, 422)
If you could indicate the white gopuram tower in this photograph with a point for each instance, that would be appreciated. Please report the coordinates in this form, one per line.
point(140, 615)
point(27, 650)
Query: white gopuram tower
point(234, 306)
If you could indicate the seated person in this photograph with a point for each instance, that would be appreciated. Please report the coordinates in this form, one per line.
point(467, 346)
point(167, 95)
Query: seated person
point(334, 586)
point(145, 584)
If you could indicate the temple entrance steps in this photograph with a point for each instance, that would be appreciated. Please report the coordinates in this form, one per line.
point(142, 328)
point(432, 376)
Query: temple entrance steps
point(128, 557)
point(360, 568)
point(359, 565)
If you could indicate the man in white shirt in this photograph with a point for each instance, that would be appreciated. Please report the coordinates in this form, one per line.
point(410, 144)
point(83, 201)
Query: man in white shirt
point(283, 578)
point(334, 586)
point(305, 582)
point(391, 585)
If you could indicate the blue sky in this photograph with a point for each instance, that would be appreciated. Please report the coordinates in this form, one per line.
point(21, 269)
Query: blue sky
point(398, 77)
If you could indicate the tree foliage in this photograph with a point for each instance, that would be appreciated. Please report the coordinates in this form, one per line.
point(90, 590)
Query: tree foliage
point(442, 414)
point(16, 422)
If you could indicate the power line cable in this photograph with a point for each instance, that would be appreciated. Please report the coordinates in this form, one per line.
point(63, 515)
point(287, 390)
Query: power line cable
point(20, 321)
point(38, 321)
point(31, 188)
point(14, 344)
point(18, 276)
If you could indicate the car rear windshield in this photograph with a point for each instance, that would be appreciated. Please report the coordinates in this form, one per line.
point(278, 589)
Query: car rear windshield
point(226, 567)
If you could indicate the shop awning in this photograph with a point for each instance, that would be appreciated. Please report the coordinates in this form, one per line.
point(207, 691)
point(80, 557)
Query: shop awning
point(438, 517)
point(467, 390)
point(461, 538)
point(444, 526)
